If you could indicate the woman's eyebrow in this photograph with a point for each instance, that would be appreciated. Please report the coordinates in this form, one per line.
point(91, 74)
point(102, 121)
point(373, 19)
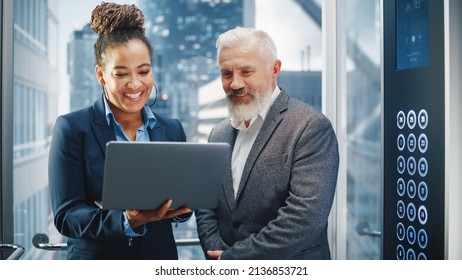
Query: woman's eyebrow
point(125, 67)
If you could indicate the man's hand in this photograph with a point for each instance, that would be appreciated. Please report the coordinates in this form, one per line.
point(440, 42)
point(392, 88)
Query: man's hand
point(214, 255)
point(139, 217)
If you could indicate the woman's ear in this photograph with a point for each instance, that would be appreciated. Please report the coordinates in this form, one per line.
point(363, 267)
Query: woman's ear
point(99, 75)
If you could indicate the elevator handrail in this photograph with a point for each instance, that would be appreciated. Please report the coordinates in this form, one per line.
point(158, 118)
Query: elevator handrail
point(365, 229)
point(17, 250)
point(41, 241)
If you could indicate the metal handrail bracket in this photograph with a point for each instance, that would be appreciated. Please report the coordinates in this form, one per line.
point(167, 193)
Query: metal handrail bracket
point(17, 250)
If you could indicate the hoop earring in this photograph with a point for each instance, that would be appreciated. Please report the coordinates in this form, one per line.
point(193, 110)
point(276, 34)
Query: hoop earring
point(155, 97)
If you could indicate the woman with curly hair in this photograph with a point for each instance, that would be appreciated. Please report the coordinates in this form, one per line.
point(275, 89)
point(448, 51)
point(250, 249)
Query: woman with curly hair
point(76, 164)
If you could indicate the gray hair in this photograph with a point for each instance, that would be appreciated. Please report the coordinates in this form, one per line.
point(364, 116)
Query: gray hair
point(242, 35)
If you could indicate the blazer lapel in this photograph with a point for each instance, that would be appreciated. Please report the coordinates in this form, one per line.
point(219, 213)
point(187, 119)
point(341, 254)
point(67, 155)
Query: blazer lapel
point(227, 134)
point(272, 120)
point(157, 133)
point(229, 137)
point(102, 131)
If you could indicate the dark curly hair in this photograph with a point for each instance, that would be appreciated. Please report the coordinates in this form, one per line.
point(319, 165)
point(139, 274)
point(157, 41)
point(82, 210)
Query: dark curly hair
point(117, 24)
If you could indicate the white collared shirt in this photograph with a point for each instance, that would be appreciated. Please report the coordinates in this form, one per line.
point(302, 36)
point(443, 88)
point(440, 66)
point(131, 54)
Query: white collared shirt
point(245, 138)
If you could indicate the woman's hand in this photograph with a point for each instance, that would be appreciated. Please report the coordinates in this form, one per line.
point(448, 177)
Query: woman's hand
point(139, 217)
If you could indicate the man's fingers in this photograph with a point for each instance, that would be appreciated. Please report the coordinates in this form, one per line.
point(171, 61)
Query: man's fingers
point(214, 254)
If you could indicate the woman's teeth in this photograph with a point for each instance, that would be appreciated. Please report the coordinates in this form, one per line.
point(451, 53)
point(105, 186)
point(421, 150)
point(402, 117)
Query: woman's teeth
point(133, 95)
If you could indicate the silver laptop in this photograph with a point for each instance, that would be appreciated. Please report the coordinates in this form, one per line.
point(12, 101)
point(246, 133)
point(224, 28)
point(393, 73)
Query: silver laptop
point(143, 175)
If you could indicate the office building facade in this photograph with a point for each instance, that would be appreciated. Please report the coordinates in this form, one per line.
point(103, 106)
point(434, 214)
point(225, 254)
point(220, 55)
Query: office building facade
point(81, 68)
point(183, 34)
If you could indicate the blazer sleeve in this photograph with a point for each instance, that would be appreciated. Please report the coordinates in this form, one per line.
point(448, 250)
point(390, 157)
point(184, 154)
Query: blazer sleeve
point(299, 224)
point(207, 221)
point(72, 195)
point(208, 230)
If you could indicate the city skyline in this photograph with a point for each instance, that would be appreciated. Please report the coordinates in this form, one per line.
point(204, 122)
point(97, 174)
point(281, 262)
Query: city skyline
point(75, 15)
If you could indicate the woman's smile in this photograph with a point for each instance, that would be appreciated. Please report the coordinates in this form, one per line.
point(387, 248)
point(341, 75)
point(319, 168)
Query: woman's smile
point(136, 95)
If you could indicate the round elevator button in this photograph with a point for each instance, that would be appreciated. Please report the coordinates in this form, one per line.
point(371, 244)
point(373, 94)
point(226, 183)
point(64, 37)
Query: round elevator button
point(423, 119)
point(411, 119)
point(401, 119)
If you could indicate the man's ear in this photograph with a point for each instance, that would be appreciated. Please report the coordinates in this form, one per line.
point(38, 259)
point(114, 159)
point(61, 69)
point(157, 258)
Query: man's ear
point(99, 75)
point(276, 68)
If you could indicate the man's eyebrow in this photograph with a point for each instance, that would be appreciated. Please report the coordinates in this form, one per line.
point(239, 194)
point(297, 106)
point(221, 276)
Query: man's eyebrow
point(246, 67)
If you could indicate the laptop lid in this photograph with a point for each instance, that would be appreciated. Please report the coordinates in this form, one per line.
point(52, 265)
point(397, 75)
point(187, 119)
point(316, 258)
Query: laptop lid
point(143, 175)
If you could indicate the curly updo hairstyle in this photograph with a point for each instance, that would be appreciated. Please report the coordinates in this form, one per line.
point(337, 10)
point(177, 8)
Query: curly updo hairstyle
point(116, 24)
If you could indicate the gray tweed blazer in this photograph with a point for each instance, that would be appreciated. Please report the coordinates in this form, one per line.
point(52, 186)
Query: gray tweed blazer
point(286, 191)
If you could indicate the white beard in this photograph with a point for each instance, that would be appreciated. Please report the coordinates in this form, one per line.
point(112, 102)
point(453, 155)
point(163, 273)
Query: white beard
point(240, 111)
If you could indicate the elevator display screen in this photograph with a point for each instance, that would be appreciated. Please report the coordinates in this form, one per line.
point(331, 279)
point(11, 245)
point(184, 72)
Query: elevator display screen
point(412, 34)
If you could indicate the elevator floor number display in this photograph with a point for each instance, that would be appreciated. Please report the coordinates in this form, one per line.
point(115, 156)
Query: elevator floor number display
point(411, 34)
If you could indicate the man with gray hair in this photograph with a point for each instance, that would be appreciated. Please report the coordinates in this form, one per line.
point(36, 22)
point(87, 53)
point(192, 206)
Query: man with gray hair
point(279, 186)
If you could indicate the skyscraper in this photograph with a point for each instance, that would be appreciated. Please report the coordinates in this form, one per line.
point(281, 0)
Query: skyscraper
point(84, 89)
point(183, 34)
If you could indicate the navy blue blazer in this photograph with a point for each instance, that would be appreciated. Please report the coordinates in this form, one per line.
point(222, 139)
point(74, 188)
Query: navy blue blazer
point(76, 165)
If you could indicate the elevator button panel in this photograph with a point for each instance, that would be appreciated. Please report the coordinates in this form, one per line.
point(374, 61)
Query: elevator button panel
point(411, 186)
